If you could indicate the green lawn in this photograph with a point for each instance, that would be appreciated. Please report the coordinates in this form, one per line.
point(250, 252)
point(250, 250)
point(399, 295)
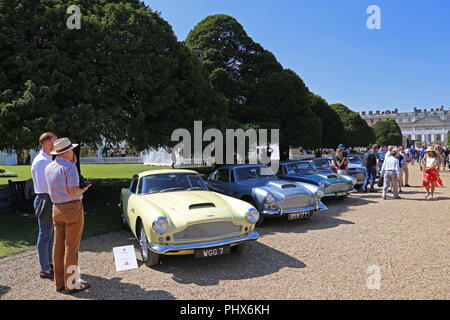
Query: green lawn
point(18, 232)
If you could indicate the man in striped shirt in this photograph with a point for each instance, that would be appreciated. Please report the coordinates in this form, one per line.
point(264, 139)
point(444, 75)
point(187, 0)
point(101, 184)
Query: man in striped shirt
point(68, 216)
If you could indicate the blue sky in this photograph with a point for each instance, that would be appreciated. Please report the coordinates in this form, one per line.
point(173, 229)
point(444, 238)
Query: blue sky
point(406, 64)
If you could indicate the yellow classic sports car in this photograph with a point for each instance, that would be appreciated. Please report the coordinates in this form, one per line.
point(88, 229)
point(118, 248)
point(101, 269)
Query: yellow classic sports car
point(172, 212)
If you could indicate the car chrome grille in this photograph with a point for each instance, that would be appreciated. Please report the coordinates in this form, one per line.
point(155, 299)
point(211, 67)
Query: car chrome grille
point(296, 202)
point(207, 230)
point(338, 187)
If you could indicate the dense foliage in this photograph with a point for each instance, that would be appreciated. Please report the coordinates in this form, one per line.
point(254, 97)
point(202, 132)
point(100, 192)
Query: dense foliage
point(357, 132)
point(259, 92)
point(333, 132)
point(123, 75)
point(387, 132)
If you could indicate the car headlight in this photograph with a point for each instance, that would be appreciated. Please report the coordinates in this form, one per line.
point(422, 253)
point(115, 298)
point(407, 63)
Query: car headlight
point(354, 180)
point(321, 184)
point(270, 202)
point(270, 198)
point(252, 215)
point(160, 225)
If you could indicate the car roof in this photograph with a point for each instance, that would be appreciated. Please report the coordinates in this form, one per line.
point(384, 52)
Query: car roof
point(165, 171)
point(294, 161)
point(246, 165)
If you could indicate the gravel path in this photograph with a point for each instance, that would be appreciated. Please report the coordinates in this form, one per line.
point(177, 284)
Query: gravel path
point(326, 257)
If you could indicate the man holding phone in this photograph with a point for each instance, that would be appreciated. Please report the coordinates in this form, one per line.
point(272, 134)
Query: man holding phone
point(68, 216)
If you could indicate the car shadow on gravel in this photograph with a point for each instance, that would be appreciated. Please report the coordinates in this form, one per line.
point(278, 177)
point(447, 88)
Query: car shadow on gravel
point(4, 290)
point(114, 289)
point(324, 221)
point(256, 260)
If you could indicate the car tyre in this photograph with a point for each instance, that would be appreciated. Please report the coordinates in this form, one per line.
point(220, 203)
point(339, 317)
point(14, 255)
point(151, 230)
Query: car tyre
point(149, 257)
point(260, 220)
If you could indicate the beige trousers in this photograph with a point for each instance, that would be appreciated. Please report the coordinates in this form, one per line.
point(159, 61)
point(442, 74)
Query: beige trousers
point(68, 221)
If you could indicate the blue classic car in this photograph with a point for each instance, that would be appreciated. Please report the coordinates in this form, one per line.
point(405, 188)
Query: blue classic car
point(355, 170)
point(258, 185)
point(335, 185)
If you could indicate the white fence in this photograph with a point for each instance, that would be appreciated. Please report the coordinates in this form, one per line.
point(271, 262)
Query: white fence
point(302, 156)
point(84, 160)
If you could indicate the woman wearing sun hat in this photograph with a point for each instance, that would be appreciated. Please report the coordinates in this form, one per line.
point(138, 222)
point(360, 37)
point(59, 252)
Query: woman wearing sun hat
point(431, 178)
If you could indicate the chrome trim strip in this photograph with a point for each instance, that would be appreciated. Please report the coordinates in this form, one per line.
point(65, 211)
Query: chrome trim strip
point(163, 249)
point(322, 207)
point(335, 194)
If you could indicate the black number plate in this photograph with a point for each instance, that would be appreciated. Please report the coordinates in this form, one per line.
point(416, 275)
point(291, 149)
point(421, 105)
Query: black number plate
point(212, 252)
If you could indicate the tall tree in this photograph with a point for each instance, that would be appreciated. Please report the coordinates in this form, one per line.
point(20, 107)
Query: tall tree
point(123, 75)
point(259, 92)
point(357, 131)
point(387, 132)
point(333, 132)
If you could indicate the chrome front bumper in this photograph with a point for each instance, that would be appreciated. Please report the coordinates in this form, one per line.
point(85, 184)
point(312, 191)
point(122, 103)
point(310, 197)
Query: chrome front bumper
point(320, 207)
point(335, 194)
point(164, 249)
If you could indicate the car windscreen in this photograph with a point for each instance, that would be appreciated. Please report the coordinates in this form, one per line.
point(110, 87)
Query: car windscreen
point(355, 160)
point(250, 173)
point(156, 183)
point(298, 167)
point(322, 163)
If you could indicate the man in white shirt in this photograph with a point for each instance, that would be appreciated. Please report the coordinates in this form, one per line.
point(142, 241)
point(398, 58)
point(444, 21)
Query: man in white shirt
point(42, 204)
point(391, 173)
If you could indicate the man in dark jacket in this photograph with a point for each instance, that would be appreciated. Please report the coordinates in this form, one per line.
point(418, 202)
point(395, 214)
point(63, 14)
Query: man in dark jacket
point(371, 162)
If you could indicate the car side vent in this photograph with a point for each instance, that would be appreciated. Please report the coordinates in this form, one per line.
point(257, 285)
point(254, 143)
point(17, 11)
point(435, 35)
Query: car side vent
point(201, 206)
point(287, 186)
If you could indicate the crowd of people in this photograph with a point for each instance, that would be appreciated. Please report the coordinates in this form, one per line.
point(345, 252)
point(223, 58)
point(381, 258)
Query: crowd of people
point(393, 171)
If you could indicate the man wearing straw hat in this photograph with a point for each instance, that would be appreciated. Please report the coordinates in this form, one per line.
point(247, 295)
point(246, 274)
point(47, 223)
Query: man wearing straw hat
point(68, 216)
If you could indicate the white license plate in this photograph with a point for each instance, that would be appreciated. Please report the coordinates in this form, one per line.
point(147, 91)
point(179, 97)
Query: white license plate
point(212, 252)
point(340, 194)
point(299, 215)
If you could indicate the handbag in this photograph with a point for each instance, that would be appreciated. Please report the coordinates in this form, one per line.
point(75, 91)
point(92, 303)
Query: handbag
point(380, 182)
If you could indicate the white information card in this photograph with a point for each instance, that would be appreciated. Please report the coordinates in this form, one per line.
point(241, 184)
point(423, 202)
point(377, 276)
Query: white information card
point(125, 258)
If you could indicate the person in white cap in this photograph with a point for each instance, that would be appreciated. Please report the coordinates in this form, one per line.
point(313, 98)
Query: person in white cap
point(68, 216)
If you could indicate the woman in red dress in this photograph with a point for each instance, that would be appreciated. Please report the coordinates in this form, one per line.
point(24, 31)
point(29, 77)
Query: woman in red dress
point(431, 178)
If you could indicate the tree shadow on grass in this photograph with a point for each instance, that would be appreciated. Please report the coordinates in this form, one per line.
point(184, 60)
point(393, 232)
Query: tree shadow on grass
point(18, 230)
point(115, 289)
point(256, 260)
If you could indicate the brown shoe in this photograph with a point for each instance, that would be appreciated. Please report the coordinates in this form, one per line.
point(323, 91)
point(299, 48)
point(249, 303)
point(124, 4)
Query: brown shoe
point(46, 275)
point(84, 286)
